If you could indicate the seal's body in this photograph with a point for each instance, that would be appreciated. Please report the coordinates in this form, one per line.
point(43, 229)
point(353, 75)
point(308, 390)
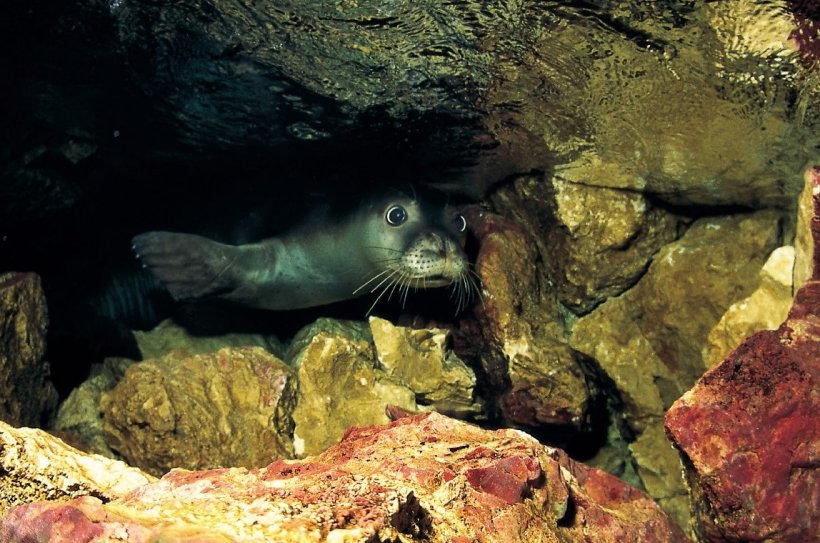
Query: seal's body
point(385, 244)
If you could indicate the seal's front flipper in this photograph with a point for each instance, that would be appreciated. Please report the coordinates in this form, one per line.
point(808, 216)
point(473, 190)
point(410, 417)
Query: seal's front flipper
point(189, 266)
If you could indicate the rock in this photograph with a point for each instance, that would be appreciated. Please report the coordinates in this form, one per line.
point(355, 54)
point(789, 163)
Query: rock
point(421, 478)
point(649, 342)
point(665, 123)
point(805, 249)
point(527, 359)
point(228, 408)
point(37, 466)
point(169, 336)
point(27, 396)
point(79, 420)
point(593, 242)
point(340, 386)
point(349, 375)
point(749, 432)
point(353, 330)
point(423, 361)
point(764, 309)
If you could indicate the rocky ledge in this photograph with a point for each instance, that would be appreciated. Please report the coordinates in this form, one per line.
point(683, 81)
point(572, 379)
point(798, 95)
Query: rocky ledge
point(421, 478)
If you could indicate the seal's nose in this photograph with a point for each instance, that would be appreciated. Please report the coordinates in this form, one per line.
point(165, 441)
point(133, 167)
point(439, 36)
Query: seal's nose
point(436, 244)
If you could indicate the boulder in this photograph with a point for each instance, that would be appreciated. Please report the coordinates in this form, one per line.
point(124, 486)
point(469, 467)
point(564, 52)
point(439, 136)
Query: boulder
point(749, 433)
point(423, 477)
point(593, 242)
point(764, 309)
point(527, 360)
point(79, 420)
point(424, 361)
point(228, 408)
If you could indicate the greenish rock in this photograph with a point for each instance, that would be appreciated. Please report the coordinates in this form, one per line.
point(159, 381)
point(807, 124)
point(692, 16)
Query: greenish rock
point(660, 472)
point(228, 408)
point(650, 340)
point(27, 395)
point(764, 309)
point(353, 330)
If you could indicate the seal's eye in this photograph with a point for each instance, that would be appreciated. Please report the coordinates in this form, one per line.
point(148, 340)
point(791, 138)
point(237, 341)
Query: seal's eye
point(395, 215)
point(460, 223)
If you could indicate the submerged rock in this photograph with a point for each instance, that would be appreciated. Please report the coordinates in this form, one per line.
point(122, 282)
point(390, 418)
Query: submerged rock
point(649, 342)
point(764, 309)
point(37, 466)
point(27, 396)
point(424, 477)
point(79, 420)
point(227, 408)
point(169, 336)
point(749, 430)
point(339, 386)
point(345, 379)
point(527, 358)
point(593, 242)
point(423, 360)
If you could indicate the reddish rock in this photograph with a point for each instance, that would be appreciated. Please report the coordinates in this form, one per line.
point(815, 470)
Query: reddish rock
point(422, 478)
point(527, 359)
point(749, 430)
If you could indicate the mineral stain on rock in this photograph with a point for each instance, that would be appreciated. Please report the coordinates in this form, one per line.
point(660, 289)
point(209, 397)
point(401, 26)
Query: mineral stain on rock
point(503, 487)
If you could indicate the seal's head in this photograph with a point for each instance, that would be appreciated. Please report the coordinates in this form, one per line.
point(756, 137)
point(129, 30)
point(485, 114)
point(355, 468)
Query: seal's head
point(416, 241)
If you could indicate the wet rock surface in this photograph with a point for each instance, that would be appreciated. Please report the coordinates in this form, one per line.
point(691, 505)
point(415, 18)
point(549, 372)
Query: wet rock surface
point(231, 407)
point(424, 477)
point(424, 361)
point(28, 396)
point(749, 430)
point(765, 309)
point(79, 420)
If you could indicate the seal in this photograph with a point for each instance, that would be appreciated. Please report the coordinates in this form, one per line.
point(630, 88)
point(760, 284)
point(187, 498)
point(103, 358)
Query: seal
point(386, 244)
